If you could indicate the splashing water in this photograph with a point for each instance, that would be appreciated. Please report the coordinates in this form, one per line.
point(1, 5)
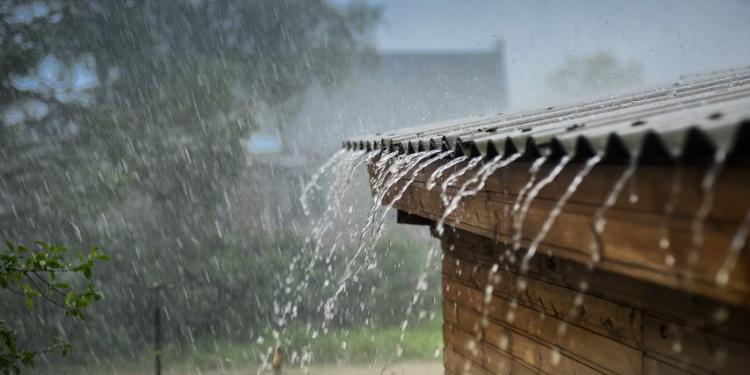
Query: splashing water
point(518, 230)
point(599, 219)
point(343, 167)
point(420, 165)
point(343, 176)
point(590, 163)
point(288, 297)
point(480, 179)
point(372, 231)
point(735, 249)
point(313, 183)
point(419, 288)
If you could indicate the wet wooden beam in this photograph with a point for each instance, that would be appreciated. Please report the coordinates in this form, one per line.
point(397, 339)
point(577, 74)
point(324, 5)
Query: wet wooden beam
point(621, 326)
point(403, 217)
point(637, 225)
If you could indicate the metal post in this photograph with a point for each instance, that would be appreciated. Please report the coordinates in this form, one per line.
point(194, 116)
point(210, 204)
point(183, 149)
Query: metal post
point(157, 329)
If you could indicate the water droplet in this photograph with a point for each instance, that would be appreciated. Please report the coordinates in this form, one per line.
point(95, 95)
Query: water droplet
point(664, 243)
point(633, 198)
point(677, 346)
point(720, 356)
point(503, 344)
point(521, 285)
point(721, 314)
point(555, 358)
point(438, 351)
point(669, 260)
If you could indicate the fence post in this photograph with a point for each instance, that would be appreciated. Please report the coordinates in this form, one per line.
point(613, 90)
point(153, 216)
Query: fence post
point(157, 328)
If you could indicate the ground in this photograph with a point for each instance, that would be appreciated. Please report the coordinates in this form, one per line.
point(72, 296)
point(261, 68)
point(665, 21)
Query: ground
point(404, 368)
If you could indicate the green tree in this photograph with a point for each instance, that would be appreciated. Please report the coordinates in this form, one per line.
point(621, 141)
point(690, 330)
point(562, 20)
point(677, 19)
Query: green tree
point(594, 74)
point(125, 122)
point(43, 274)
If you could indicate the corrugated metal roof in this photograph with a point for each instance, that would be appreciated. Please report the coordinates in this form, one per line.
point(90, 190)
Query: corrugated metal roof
point(686, 121)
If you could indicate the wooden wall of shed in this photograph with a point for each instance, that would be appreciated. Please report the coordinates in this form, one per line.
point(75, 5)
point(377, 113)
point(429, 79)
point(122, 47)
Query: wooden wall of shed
point(532, 326)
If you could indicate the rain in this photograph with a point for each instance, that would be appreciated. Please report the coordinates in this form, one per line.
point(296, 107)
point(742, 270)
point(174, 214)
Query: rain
point(175, 197)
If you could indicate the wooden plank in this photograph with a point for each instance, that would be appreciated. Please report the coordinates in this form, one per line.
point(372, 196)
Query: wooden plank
point(687, 348)
point(619, 322)
point(457, 364)
point(671, 332)
point(636, 256)
point(586, 346)
point(499, 362)
point(472, 254)
point(658, 301)
point(653, 366)
point(532, 353)
point(651, 184)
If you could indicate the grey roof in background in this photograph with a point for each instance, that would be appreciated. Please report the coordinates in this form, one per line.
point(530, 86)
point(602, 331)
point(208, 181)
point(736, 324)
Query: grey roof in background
point(688, 122)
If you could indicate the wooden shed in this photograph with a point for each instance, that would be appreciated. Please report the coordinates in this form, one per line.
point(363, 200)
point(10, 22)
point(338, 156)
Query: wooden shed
point(605, 238)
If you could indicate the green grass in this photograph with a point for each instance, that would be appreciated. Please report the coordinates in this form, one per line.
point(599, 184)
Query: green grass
point(360, 345)
point(363, 345)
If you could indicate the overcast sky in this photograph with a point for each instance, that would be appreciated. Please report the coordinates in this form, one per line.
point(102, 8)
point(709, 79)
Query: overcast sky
point(668, 38)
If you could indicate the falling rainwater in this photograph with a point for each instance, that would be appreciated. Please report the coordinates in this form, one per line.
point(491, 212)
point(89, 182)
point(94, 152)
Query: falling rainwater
point(518, 230)
point(599, 220)
point(674, 194)
point(343, 175)
point(343, 167)
point(598, 226)
point(432, 181)
point(420, 164)
point(398, 170)
point(455, 176)
point(419, 288)
point(707, 186)
point(479, 179)
point(288, 298)
point(401, 167)
point(738, 243)
point(533, 172)
point(408, 183)
point(313, 183)
point(590, 163)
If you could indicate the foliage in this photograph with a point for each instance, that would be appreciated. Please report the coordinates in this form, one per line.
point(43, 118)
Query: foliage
point(44, 274)
point(142, 149)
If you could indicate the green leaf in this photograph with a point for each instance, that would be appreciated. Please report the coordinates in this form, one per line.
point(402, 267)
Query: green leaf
point(70, 299)
point(103, 257)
